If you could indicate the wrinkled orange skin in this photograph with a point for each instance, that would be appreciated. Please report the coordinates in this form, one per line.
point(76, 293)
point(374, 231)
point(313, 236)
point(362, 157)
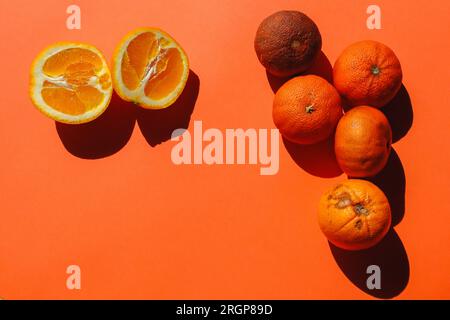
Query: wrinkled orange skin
point(290, 109)
point(367, 73)
point(287, 43)
point(354, 215)
point(363, 142)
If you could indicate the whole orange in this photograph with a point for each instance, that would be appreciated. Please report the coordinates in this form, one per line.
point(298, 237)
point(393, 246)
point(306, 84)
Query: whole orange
point(367, 73)
point(363, 142)
point(287, 42)
point(306, 109)
point(354, 215)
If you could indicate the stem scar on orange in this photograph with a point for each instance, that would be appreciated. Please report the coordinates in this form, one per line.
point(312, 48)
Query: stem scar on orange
point(363, 142)
point(367, 73)
point(354, 215)
point(306, 109)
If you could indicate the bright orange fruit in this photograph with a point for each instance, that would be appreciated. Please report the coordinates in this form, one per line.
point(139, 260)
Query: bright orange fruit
point(306, 109)
point(354, 215)
point(363, 142)
point(70, 82)
point(367, 73)
point(149, 68)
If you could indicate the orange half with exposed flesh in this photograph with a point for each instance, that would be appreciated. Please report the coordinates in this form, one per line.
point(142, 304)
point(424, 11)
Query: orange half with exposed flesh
point(149, 68)
point(70, 82)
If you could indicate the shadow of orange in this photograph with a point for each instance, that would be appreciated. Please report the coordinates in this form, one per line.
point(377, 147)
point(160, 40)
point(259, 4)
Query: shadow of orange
point(320, 67)
point(400, 114)
point(157, 125)
point(317, 159)
point(390, 255)
point(102, 137)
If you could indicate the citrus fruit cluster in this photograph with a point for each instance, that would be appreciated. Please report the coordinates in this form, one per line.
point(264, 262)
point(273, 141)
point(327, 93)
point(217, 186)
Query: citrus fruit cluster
point(72, 83)
point(307, 109)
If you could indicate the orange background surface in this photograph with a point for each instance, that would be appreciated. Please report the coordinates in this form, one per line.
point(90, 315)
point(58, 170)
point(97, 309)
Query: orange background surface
point(107, 197)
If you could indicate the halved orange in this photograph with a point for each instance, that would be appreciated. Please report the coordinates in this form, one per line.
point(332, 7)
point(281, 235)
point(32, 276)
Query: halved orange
point(149, 68)
point(70, 82)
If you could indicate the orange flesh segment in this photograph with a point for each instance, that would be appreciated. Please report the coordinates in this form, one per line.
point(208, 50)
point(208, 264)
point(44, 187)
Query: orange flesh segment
point(168, 75)
point(138, 55)
point(57, 64)
point(129, 76)
point(75, 96)
point(142, 52)
point(63, 100)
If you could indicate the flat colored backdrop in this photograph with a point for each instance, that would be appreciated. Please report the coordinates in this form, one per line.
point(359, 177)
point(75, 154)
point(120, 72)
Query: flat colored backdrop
point(107, 197)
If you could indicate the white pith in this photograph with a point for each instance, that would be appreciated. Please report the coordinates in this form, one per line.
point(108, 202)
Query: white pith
point(39, 77)
point(138, 95)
